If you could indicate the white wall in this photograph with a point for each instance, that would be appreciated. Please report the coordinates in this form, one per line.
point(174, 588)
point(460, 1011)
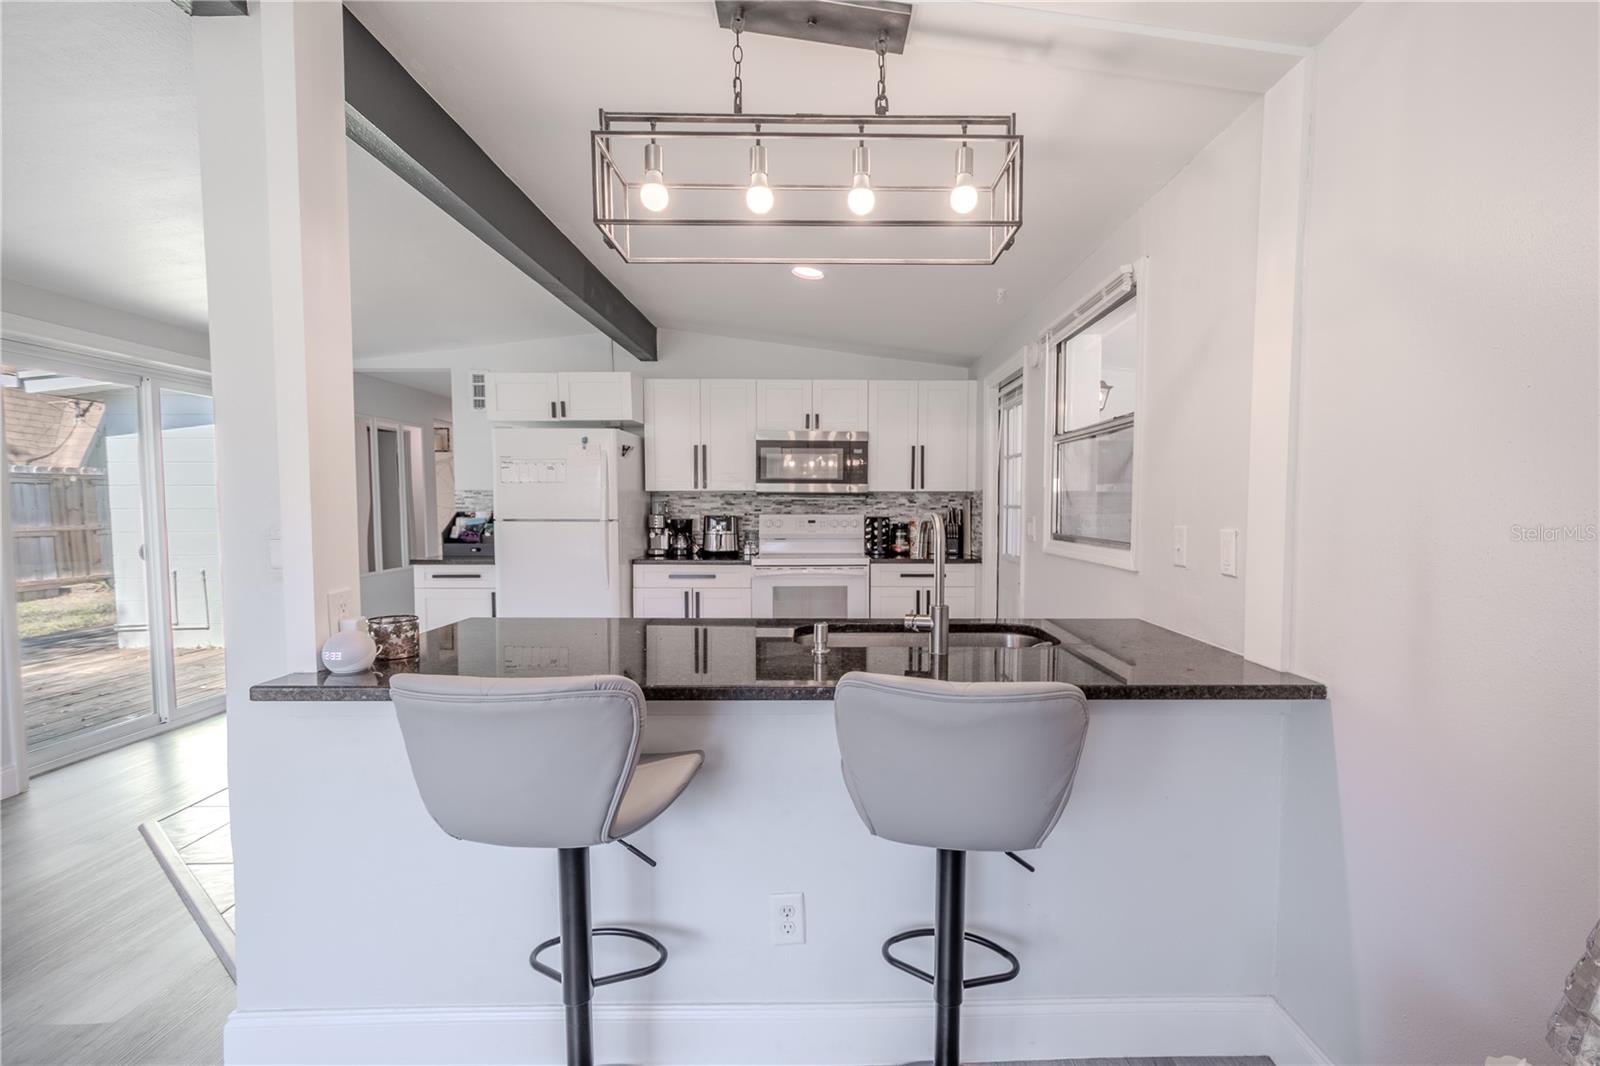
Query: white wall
point(1199, 233)
point(31, 310)
point(682, 355)
point(1448, 393)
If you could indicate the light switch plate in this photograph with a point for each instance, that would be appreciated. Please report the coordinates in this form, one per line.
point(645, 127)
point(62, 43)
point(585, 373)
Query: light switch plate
point(1230, 553)
point(1180, 546)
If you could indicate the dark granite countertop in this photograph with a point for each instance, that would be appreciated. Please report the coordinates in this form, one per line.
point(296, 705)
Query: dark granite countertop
point(458, 560)
point(691, 562)
point(761, 659)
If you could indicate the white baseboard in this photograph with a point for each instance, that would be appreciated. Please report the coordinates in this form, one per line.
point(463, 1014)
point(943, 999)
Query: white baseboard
point(798, 1034)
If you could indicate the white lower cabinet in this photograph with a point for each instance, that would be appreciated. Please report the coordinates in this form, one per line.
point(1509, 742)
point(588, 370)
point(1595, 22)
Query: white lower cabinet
point(899, 589)
point(447, 594)
point(688, 655)
point(714, 591)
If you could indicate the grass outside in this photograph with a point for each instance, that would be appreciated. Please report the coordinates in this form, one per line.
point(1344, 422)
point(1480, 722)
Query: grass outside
point(82, 607)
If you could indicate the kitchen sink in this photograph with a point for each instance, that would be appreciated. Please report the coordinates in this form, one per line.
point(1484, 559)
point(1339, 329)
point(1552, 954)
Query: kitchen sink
point(960, 637)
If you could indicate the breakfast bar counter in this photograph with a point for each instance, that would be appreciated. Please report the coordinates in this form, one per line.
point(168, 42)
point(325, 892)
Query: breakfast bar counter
point(753, 659)
point(368, 934)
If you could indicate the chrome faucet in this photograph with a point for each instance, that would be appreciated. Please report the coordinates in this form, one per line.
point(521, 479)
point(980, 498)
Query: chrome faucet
point(937, 621)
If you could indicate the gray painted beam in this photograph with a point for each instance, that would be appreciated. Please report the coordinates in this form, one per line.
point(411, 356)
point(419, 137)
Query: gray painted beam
point(209, 8)
point(394, 118)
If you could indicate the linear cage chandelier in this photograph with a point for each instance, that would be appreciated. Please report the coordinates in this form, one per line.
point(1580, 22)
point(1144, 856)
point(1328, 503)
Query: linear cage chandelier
point(809, 189)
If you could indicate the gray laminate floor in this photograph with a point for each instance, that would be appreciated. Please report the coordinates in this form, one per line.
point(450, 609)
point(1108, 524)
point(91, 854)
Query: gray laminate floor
point(99, 960)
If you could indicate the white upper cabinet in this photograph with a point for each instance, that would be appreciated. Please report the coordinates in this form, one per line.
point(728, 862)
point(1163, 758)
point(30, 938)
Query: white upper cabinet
point(523, 397)
point(921, 436)
point(727, 434)
point(839, 405)
point(601, 396)
point(699, 434)
point(945, 412)
point(790, 404)
point(671, 434)
point(783, 405)
point(892, 435)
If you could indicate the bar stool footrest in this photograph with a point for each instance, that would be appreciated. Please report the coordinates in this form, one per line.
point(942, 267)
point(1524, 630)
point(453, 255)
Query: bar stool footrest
point(610, 978)
point(1003, 976)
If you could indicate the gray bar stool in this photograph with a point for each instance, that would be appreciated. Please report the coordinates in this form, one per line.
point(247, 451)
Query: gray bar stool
point(958, 767)
point(544, 763)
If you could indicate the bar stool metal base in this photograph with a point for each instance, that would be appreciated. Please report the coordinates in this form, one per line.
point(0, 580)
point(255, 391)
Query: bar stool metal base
point(576, 976)
point(949, 938)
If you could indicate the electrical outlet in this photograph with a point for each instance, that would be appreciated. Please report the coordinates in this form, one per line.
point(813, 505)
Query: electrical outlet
point(341, 605)
point(1230, 553)
point(1180, 545)
point(788, 918)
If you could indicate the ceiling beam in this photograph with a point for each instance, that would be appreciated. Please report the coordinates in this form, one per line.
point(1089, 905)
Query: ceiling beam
point(394, 118)
point(209, 8)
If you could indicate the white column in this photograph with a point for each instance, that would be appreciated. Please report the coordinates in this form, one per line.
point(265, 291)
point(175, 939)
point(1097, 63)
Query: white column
point(272, 153)
point(1285, 156)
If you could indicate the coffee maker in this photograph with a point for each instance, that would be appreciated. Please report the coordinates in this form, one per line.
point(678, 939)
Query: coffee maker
point(656, 540)
point(680, 538)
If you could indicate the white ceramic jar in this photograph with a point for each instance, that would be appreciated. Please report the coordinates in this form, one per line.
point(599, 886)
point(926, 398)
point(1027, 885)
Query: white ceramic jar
point(351, 650)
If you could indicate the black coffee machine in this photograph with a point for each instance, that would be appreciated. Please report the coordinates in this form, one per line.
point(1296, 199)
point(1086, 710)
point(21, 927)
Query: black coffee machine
point(680, 538)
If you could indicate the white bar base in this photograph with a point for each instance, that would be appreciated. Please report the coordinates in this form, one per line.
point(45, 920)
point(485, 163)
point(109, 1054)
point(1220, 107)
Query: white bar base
point(759, 1034)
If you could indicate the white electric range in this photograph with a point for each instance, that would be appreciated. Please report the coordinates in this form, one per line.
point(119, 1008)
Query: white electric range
point(811, 566)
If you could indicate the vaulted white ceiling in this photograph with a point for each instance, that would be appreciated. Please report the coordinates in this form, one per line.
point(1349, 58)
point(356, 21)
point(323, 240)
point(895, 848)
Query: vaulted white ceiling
point(101, 175)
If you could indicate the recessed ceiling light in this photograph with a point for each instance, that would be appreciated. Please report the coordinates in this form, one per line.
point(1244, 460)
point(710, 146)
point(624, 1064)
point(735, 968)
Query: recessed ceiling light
point(807, 273)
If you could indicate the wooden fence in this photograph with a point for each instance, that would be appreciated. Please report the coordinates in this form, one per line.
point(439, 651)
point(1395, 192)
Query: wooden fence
point(61, 523)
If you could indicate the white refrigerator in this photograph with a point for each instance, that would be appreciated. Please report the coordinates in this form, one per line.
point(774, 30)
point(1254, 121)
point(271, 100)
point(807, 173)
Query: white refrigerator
point(569, 514)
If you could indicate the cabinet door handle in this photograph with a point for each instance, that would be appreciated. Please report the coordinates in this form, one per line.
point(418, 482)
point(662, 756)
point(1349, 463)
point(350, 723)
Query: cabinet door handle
point(705, 466)
point(697, 605)
point(494, 605)
point(686, 603)
point(552, 408)
point(563, 409)
point(913, 466)
point(704, 577)
point(816, 420)
point(924, 466)
point(808, 421)
point(928, 576)
point(457, 577)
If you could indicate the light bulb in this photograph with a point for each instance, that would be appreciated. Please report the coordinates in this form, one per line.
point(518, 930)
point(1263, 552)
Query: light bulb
point(861, 197)
point(964, 194)
point(653, 192)
point(758, 197)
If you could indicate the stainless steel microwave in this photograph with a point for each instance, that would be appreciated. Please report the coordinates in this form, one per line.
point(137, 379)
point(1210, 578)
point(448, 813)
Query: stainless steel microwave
point(811, 460)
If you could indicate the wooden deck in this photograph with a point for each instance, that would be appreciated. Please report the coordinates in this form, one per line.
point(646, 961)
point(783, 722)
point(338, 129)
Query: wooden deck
point(81, 681)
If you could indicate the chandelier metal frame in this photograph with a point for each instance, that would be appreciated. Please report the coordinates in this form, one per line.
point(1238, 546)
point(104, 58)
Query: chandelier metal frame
point(614, 193)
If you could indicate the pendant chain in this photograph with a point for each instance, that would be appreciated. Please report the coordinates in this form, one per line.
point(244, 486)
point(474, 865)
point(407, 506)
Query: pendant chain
point(881, 104)
point(738, 61)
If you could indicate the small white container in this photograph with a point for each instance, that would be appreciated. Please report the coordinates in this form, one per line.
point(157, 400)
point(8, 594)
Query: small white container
point(351, 650)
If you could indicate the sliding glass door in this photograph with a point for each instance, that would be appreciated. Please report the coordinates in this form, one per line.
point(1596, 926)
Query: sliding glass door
point(111, 517)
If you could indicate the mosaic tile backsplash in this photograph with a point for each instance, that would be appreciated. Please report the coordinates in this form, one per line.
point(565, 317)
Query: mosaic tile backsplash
point(899, 506)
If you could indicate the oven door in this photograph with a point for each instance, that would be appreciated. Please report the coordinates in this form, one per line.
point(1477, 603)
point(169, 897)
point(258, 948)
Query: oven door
point(815, 461)
point(810, 592)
